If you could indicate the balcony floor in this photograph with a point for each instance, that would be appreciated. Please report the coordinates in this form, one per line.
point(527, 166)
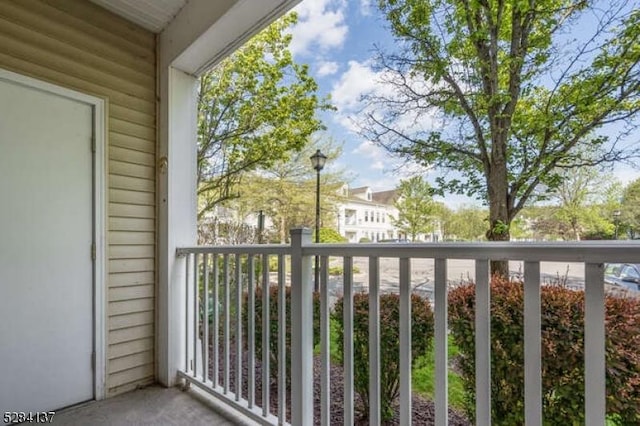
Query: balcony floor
point(153, 405)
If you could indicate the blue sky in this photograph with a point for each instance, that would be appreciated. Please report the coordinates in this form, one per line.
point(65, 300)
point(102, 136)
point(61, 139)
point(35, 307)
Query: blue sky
point(336, 38)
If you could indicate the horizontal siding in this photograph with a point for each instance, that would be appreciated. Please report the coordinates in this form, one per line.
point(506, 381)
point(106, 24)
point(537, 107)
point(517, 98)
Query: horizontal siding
point(129, 224)
point(76, 44)
point(131, 265)
point(131, 142)
point(125, 279)
point(118, 322)
point(130, 348)
point(132, 197)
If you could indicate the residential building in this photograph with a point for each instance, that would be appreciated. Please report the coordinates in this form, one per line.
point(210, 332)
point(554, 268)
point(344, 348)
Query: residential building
point(367, 215)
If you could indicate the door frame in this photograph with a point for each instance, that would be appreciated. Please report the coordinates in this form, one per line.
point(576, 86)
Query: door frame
point(98, 106)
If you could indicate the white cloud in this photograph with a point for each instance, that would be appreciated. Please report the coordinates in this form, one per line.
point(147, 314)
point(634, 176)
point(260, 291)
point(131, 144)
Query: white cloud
point(365, 7)
point(327, 68)
point(321, 25)
point(359, 79)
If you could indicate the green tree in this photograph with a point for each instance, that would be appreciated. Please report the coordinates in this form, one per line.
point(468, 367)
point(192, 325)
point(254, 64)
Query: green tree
point(467, 223)
point(519, 98)
point(416, 208)
point(254, 108)
point(578, 198)
point(630, 209)
point(286, 191)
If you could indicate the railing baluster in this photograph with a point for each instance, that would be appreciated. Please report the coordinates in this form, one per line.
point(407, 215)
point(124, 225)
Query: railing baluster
point(405, 342)
point(483, 344)
point(301, 390)
point(374, 341)
point(186, 312)
point(251, 330)
point(238, 333)
point(594, 345)
point(348, 340)
point(441, 335)
point(226, 323)
point(282, 348)
point(532, 345)
point(216, 321)
point(196, 287)
point(325, 342)
point(205, 319)
point(266, 328)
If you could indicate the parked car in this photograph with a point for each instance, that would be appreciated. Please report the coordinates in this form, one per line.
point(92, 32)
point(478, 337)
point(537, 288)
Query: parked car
point(623, 274)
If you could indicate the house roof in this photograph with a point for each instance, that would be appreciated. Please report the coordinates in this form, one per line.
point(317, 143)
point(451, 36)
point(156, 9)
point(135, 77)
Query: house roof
point(384, 197)
point(358, 191)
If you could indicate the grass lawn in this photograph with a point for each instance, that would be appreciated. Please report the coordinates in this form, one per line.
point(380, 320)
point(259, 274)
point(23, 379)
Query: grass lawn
point(424, 371)
point(424, 377)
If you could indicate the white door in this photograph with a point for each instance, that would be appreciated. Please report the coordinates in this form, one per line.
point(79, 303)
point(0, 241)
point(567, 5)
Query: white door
point(46, 270)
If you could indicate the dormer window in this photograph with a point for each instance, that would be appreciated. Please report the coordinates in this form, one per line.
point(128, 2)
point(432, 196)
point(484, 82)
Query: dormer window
point(368, 195)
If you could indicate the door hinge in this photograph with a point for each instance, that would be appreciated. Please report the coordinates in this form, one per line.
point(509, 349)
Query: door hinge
point(93, 361)
point(93, 251)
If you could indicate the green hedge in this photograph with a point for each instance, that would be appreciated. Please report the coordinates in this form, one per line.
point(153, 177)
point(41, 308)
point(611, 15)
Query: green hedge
point(273, 324)
point(562, 353)
point(421, 336)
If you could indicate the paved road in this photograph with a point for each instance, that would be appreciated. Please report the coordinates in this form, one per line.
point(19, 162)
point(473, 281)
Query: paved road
point(458, 271)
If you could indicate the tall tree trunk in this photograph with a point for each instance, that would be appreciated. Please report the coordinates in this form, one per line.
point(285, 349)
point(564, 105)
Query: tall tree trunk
point(283, 231)
point(499, 219)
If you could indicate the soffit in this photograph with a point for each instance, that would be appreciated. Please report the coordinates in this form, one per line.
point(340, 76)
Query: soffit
point(153, 15)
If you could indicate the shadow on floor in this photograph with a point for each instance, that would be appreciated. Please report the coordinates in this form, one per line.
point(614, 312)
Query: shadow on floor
point(153, 405)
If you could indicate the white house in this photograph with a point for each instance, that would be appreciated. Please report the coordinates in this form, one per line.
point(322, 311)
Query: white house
point(370, 215)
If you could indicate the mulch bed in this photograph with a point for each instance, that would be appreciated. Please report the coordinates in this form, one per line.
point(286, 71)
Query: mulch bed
point(423, 409)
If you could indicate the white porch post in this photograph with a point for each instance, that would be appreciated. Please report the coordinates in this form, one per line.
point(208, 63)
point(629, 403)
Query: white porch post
point(177, 212)
point(301, 330)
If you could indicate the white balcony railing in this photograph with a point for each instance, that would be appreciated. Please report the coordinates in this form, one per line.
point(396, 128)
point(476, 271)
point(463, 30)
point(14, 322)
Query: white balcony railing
point(213, 271)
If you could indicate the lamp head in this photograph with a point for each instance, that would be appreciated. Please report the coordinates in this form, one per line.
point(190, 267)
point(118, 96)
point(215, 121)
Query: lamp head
point(318, 160)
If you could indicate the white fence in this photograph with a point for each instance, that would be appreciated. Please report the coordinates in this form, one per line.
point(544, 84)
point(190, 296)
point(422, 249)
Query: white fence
point(217, 350)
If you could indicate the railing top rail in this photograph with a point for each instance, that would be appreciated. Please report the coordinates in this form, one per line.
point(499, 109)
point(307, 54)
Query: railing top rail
point(237, 249)
point(589, 252)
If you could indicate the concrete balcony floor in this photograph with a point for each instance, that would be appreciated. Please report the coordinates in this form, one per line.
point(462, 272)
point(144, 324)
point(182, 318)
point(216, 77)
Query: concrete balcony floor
point(153, 405)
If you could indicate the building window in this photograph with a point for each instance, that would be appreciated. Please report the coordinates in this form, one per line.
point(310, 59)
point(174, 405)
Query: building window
point(366, 215)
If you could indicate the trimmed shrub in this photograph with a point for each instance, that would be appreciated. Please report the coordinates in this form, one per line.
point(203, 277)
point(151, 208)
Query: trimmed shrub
point(421, 337)
point(329, 235)
point(562, 333)
point(273, 325)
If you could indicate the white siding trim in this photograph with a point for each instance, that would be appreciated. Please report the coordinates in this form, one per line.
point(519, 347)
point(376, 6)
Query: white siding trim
point(99, 206)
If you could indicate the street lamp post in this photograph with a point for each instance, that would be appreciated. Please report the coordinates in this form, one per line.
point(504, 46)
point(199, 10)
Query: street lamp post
point(317, 162)
point(616, 221)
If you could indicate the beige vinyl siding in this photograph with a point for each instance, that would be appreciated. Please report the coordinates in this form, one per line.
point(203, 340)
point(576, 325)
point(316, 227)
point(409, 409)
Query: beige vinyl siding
point(76, 44)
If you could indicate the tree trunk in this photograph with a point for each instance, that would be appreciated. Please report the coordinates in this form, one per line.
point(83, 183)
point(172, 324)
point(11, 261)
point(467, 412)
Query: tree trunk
point(283, 231)
point(499, 219)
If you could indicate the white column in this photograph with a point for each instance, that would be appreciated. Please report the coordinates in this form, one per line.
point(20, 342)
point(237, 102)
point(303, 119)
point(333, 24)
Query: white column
point(301, 330)
point(176, 198)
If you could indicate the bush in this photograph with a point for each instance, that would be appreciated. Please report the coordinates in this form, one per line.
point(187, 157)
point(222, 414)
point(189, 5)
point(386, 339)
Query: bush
point(273, 325)
point(421, 335)
point(339, 270)
point(329, 235)
point(562, 353)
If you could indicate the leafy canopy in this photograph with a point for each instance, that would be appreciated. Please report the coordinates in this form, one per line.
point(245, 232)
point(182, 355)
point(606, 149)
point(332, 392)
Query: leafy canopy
point(500, 92)
point(254, 108)
point(416, 208)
